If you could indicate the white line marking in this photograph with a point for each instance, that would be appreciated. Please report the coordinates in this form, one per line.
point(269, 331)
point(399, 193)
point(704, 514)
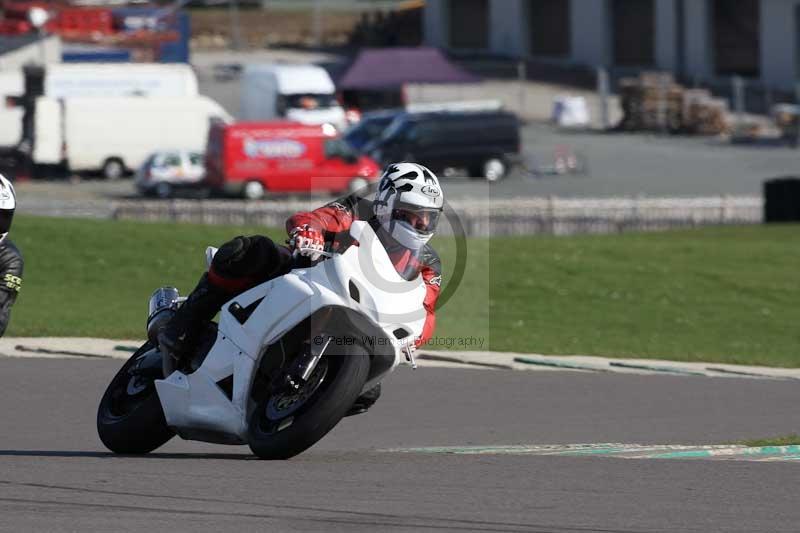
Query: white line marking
point(624, 451)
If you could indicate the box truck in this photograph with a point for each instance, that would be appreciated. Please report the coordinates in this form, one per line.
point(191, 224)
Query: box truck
point(113, 135)
point(299, 93)
point(12, 83)
point(91, 80)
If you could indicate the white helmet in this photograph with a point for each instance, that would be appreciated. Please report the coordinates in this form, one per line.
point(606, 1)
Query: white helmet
point(408, 203)
point(8, 202)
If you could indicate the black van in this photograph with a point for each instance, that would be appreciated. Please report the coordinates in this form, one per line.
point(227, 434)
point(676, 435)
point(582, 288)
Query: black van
point(484, 143)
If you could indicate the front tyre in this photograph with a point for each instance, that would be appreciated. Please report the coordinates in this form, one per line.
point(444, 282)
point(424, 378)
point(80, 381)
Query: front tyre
point(284, 424)
point(130, 419)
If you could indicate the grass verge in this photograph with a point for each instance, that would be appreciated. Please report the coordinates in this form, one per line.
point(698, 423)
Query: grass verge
point(718, 295)
point(786, 440)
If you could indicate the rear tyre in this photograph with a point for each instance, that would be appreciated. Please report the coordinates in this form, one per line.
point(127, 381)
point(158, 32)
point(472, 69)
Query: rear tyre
point(253, 190)
point(113, 169)
point(130, 419)
point(281, 429)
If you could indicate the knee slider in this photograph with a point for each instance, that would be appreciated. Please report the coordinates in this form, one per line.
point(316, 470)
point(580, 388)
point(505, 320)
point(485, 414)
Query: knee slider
point(246, 256)
point(229, 254)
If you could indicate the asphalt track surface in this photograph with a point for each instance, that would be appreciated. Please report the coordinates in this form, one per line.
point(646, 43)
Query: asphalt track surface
point(56, 476)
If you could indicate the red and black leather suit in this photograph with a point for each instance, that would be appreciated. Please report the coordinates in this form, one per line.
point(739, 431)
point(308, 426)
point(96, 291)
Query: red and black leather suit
point(244, 262)
point(11, 264)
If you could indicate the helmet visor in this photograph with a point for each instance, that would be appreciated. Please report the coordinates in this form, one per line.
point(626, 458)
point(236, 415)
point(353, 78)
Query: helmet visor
point(6, 215)
point(423, 220)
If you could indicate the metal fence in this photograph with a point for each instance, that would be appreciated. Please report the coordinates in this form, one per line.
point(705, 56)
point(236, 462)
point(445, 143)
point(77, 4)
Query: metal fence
point(532, 216)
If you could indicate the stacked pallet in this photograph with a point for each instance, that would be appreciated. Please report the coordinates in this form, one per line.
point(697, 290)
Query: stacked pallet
point(704, 114)
point(651, 102)
point(786, 119)
point(654, 102)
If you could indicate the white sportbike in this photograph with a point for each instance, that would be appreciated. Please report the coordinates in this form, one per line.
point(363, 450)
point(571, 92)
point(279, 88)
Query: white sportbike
point(286, 362)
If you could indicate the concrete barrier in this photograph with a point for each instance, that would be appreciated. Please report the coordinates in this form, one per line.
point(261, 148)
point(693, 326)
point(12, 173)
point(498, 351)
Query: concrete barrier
point(531, 216)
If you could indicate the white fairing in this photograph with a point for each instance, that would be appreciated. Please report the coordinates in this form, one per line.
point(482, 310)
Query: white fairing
point(194, 403)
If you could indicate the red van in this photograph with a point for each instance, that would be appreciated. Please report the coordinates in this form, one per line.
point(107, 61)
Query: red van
point(252, 158)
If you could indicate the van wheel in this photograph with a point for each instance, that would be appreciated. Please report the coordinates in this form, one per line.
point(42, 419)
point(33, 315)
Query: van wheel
point(494, 169)
point(113, 169)
point(356, 185)
point(253, 190)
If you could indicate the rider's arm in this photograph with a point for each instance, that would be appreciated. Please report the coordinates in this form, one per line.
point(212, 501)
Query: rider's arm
point(11, 265)
point(334, 217)
point(6, 301)
point(432, 276)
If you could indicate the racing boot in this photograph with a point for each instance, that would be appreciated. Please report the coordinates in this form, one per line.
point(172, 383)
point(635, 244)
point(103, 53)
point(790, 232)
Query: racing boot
point(179, 337)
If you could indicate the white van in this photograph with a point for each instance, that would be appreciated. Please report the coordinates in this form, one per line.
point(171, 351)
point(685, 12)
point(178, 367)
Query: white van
point(92, 80)
point(113, 135)
point(11, 84)
point(300, 93)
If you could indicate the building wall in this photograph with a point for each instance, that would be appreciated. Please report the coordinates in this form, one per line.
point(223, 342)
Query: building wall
point(666, 35)
point(591, 40)
point(591, 21)
point(32, 53)
point(507, 33)
point(779, 59)
point(435, 24)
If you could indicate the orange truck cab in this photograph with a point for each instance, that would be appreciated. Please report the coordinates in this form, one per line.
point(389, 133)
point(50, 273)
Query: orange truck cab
point(252, 158)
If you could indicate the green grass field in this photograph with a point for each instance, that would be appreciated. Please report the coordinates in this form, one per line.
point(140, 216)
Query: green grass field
point(717, 295)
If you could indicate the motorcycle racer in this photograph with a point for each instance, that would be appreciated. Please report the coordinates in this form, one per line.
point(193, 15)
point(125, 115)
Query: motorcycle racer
point(404, 213)
point(11, 262)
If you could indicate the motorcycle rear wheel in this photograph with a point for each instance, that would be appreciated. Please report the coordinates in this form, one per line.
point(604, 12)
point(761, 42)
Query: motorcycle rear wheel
point(129, 418)
point(336, 384)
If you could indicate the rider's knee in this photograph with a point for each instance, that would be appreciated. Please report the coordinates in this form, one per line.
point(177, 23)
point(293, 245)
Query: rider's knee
point(246, 256)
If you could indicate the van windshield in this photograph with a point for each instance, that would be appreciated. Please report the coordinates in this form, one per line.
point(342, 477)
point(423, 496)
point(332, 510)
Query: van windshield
point(396, 129)
point(341, 149)
point(308, 101)
point(367, 131)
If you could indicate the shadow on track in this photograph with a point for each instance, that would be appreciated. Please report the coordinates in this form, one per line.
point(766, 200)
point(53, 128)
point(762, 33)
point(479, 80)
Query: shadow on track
point(109, 455)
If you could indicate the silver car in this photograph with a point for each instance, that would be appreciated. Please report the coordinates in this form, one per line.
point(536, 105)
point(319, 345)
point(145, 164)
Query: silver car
point(164, 172)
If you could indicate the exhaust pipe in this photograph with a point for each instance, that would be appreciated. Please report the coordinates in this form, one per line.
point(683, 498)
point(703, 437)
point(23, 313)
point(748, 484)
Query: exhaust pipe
point(161, 309)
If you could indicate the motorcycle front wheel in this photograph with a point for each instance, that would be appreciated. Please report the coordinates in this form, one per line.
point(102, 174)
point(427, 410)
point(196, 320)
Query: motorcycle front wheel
point(130, 419)
point(286, 423)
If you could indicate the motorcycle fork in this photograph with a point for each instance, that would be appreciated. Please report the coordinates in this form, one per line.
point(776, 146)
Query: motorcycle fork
point(312, 351)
